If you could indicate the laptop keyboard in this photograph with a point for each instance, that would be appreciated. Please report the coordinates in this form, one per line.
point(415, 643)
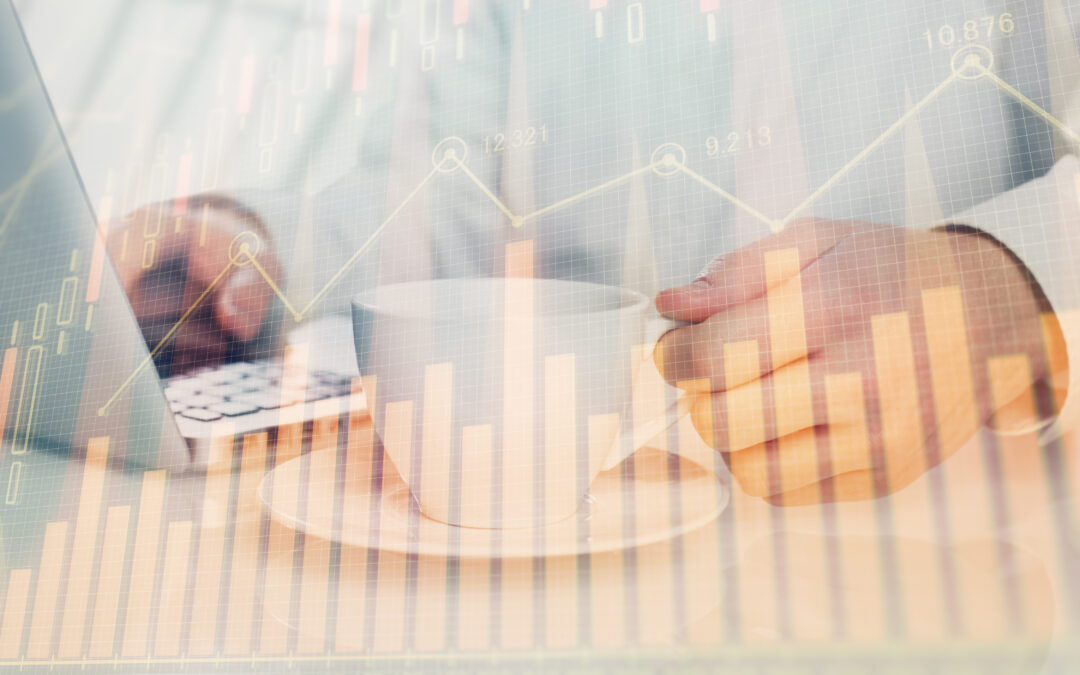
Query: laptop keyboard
point(237, 389)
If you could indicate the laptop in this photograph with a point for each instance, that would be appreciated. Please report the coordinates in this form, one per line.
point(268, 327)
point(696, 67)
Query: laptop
point(75, 365)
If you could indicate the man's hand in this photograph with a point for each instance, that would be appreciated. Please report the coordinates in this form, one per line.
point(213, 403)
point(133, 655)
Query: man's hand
point(165, 275)
point(777, 321)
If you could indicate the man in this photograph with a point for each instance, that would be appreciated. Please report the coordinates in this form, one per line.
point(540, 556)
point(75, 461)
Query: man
point(854, 173)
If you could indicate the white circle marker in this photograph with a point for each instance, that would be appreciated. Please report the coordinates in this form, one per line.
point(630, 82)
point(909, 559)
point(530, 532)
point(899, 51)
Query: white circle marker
point(972, 62)
point(449, 153)
point(244, 247)
point(667, 159)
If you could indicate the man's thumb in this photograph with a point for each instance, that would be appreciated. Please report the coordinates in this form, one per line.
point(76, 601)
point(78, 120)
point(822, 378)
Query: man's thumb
point(241, 305)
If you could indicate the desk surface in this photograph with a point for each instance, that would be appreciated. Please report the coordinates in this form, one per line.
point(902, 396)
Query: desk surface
point(972, 560)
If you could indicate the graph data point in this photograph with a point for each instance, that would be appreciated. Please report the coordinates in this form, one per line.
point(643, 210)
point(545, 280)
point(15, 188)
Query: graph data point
point(449, 154)
point(668, 159)
point(244, 247)
point(972, 62)
point(517, 222)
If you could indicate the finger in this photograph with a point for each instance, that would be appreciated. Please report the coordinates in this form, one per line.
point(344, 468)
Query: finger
point(778, 404)
point(240, 295)
point(720, 350)
point(747, 273)
point(242, 304)
point(703, 353)
point(798, 461)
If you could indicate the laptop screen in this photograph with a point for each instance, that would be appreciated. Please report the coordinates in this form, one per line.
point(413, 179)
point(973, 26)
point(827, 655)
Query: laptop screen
point(75, 365)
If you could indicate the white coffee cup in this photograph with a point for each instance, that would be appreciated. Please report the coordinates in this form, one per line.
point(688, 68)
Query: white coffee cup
point(499, 400)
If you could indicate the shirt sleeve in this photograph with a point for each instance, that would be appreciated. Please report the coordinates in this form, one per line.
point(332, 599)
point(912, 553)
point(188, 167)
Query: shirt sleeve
point(1039, 220)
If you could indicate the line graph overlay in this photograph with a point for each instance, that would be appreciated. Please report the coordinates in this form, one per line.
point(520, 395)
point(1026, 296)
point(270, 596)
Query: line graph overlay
point(969, 64)
point(865, 152)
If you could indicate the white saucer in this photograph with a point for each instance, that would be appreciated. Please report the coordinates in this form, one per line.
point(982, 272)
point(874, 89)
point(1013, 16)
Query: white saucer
point(653, 506)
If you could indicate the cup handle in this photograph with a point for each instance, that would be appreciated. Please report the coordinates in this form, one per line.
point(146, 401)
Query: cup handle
point(655, 328)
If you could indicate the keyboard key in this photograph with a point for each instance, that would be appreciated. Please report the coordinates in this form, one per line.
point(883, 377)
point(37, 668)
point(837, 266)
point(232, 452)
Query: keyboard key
point(253, 383)
point(203, 400)
point(223, 390)
point(221, 376)
point(263, 400)
point(178, 406)
point(234, 408)
point(201, 414)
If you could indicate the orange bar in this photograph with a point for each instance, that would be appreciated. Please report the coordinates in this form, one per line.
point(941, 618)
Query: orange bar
point(517, 613)
point(518, 477)
point(560, 580)
point(48, 588)
point(7, 374)
point(519, 259)
point(655, 592)
point(144, 564)
point(174, 578)
point(215, 510)
point(113, 553)
point(787, 336)
point(950, 373)
point(1058, 364)
point(246, 540)
point(860, 557)
point(923, 592)
point(607, 571)
point(83, 549)
point(11, 629)
point(794, 415)
point(701, 553)
point(277, 598)
point(559, 476)
point(474, 603)
point(746, 429)
point(430, 629)
point(315, 574)
point(1056, 355)
point(1024, 471)
point(970, 513)
point(389, 626)
point(435, 469)
point(518, 481)
point(294, 373)
point(435, 466)
point(352, 570)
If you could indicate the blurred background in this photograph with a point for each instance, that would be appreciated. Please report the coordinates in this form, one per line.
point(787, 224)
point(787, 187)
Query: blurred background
point(166, 97)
